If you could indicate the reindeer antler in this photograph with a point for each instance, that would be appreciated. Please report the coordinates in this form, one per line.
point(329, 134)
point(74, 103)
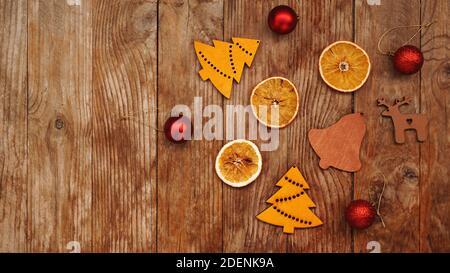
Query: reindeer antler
point(404, 100)
point(382, 102)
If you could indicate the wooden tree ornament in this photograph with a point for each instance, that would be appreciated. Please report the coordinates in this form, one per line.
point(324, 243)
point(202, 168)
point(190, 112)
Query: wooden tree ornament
point(225, 61)
point(339, 145)
point(403, 122)
point(291, 205)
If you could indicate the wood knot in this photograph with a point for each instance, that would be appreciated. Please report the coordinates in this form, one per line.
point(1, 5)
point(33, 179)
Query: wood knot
point(59, 124)
point(410, 175)
point(443, 75)
point(176, 4)
point(447, 68)
point(142, 23)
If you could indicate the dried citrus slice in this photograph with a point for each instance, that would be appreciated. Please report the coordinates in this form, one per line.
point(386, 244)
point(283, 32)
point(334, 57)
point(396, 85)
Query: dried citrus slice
point(238, 163)
point(275, 94)
point(344, 66)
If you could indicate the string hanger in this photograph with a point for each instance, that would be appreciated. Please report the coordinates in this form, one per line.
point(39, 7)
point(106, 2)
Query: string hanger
point(133, 117)
point(391, 52)
point(379, 202)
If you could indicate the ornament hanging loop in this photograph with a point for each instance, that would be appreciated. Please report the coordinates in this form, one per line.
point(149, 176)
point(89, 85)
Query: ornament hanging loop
point(379, 202)
point(391, 52)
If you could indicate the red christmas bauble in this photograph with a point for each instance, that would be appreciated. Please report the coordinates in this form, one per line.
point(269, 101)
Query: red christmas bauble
point(178, 129)
point(408, 59)
point(282, 19)
point(360, 214)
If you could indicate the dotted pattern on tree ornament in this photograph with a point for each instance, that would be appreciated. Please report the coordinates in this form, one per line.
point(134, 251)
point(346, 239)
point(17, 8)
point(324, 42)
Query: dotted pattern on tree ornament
point(289, 198)
point(213, 66)
point(231, 59)
point(224, 62)
point(285, 199)
point(293, 182)
point(233, 67)
point(301, 221)
point(243, 49)
point(291, 205)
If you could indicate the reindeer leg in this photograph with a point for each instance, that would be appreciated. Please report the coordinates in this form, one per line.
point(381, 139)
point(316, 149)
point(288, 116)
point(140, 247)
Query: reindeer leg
point(421, 135)
point(400, 137)
point(421, 128)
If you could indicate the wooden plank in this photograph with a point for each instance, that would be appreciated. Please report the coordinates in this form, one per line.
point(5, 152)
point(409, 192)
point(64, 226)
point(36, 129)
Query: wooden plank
point(59, 131)
point(78, 146)
point(242, 231)
point(189, 192)
point(321, 23)
point(124, 103)
point(13, 127)
point(382, 159)
point(434, 164)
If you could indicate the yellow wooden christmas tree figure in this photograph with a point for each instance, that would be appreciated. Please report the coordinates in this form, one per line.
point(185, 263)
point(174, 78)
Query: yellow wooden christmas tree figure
point(224, 61)
point(291, 205)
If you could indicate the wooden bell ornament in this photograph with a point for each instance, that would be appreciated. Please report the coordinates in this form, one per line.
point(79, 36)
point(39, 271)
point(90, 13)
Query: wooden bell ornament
point(339, 145)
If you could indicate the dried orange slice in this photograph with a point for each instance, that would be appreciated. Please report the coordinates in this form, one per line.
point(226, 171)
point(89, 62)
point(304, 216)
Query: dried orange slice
point(238, 163)
point(275, 94)
point(344, 66)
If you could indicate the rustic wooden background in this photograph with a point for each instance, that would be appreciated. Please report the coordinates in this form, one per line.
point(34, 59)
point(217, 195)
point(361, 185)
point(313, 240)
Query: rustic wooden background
point(73, 169)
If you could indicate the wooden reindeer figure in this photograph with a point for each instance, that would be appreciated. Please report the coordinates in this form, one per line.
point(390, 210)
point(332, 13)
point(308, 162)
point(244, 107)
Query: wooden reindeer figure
point(403, 122)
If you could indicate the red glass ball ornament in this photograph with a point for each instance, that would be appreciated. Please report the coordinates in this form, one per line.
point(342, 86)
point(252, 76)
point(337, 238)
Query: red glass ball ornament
point(408, 59)
point(360, 214)
point(178, 129)
point(282, 19)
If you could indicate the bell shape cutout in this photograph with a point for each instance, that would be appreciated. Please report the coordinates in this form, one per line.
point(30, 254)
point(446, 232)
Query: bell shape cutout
point(339, 145)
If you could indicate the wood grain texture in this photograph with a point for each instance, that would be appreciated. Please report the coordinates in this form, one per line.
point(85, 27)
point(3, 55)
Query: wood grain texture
point(13, 127)
point(434, 164)
point(383, 160)
point(322, 23)
point(189, 192)
point(242, 231)
point(59, 125)
point(124, 143)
